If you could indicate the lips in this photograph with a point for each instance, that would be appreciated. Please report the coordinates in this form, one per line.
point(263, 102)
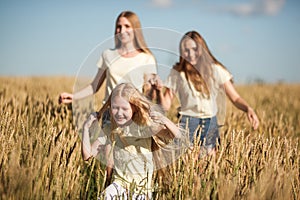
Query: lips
point(123, 36)
point(120, 119)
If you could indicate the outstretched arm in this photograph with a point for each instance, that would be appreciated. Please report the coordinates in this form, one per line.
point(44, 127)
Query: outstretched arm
point(241, 104)
point(93, 87)
point(88, 90)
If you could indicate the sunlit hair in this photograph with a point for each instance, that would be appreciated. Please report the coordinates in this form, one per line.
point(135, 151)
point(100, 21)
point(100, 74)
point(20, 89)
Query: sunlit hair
point(141, 108)
point(139, 41)
point(200, 74)
point(140, 105)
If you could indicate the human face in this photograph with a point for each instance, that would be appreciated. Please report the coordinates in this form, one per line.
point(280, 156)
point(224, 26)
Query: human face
point(121, 111)
point(125, 30)
point(190, 51)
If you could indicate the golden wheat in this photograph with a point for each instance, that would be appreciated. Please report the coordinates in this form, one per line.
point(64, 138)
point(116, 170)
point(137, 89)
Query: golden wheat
point(40, 154)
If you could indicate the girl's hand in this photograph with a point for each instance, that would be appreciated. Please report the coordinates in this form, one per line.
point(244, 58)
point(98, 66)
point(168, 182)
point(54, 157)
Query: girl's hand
point(88, 123)
point(253, 119)
point(157, 117)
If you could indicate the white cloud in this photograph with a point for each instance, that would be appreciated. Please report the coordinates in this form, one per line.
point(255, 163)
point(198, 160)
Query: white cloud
point(250, 7)
point(254, 7)
point(162, 3)
point(272, 7)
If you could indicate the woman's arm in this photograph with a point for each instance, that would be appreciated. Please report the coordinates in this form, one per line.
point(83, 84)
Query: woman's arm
point(241, 104)
point(166, 96)
point(93, 87)
point(88, 90)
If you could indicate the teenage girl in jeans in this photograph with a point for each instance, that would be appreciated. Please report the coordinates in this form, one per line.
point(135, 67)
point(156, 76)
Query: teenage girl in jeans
point(197, 79)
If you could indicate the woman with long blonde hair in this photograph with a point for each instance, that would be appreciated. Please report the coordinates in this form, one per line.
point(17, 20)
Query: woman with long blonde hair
point(129, 61)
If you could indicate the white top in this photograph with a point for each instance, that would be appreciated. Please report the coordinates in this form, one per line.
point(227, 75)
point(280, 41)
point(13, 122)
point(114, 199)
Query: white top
point(133, 160)
point(125, 69)
point(192, 102)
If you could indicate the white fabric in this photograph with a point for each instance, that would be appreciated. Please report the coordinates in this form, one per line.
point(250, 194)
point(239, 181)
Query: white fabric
point(192, 102)
point(115, 191)
point(133, 160)
point(122, 69)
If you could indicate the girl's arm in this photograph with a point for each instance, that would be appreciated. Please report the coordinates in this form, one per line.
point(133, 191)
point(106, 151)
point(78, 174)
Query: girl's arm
point(89, 150)
point(165, 122)
point(109, 164)
point(241, 104)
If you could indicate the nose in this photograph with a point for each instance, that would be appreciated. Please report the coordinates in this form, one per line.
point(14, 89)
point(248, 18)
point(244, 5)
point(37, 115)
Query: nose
point(191, 53)
point(119, 112)
point(122, 29)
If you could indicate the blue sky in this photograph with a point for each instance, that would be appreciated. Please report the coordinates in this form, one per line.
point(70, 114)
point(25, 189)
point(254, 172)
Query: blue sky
point(254, 39)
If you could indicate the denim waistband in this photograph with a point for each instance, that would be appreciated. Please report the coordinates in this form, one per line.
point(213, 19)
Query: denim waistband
point(200, 118)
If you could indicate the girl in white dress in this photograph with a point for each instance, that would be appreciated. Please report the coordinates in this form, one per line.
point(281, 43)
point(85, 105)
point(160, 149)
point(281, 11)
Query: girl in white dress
point(136, 131)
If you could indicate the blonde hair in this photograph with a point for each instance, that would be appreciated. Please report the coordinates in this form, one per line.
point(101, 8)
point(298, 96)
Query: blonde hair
point(200, 74)
point(140, 105)
point(139, 41)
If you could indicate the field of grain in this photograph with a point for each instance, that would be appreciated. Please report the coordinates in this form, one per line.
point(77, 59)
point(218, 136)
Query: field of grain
point(40, 155)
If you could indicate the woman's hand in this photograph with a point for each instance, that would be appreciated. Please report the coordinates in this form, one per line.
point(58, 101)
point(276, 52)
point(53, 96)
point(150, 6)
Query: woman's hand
point(157, 82)
point(154, 81)
point(65, 98)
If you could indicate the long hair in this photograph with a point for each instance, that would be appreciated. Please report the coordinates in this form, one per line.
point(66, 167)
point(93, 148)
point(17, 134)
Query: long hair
point(140, 105)
point(139, 41)
point(199, 75)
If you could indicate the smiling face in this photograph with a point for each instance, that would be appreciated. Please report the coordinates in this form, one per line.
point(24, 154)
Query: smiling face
point(124, 30)
point(121, 111)
point(190, 51)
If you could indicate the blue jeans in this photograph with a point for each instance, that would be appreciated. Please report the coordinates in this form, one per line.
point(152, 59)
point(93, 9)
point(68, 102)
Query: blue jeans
point(205, 128)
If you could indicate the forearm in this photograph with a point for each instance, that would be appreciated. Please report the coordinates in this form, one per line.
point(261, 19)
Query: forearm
point(87, 91)
point(109, 172)
point(241, 104)
point(164, 99)
point(86, 148)
point(173, 128)
point(93, 87)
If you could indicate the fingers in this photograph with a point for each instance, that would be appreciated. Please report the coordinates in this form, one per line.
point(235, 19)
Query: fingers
point(91, 118)
point(154, 81)
point(255, 123)
point(157, 117)
point(65, 98)
point(253, 120)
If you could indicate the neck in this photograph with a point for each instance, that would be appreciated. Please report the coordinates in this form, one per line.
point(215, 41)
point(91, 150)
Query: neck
point(128, 50)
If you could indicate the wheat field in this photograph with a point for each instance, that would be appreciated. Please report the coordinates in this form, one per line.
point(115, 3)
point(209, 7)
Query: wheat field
point(40, 155)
